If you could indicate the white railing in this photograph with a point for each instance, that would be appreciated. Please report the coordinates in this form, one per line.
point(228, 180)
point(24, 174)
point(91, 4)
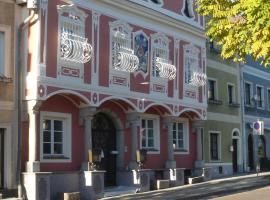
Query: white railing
point(165, 69)
point(198, 79)
point(125, 60)
point(75, 48)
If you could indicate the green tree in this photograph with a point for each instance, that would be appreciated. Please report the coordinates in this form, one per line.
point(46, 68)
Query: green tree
point(241, 27)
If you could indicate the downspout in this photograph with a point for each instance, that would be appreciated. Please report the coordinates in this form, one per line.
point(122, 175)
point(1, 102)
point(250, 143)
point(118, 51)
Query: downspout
point(19, 78)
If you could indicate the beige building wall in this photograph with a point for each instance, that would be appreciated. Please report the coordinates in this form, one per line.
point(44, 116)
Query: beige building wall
point(8, 112)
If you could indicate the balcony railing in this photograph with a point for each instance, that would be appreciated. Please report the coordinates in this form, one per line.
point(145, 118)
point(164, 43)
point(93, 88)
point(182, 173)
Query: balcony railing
point(75, 48)
point(214, 101)
point(165, 69)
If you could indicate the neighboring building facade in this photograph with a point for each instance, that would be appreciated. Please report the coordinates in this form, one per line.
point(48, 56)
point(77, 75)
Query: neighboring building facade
point(134, 93)
point(222, 139)
point(8, 122)
point(256, 106)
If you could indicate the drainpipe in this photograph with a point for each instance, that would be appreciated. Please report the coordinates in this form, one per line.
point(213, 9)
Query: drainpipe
point(19, 78)
point(242, 110)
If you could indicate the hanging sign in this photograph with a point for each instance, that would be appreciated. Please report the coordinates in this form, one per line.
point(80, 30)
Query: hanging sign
point(258, 127)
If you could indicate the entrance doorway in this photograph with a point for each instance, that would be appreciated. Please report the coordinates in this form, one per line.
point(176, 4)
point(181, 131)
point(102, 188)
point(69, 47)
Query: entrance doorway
point(104, 138)
point(2, 157)
point(250, 152)
point(234, 155)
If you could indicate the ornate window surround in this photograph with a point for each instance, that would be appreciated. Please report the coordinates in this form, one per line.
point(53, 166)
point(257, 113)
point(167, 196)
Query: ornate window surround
point(160, 58)
point(122, 58)
point(144, 74)
point(72, 21)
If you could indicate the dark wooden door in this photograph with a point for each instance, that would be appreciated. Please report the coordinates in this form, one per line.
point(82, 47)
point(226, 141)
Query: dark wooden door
point(234, 156)
point(104, 138)
point(250, 152)
point(1, 158)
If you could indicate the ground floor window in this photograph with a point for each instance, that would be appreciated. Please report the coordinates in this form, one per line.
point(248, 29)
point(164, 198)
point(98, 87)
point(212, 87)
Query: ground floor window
point(150, 133)
point(214, 146)
point(180, 136)
point(55, 136)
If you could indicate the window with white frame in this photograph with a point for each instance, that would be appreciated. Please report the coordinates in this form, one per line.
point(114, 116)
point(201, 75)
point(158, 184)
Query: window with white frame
point(5, 50)
point(214, 146)
point(191, 61)
point(73, 48)
point(231, 93)
point(248, 93)
point(268, 98)
point(160, 51)
point(149, 134)
point(2, 53)
point(259, 94)
point(212, 89)
point(55, 136)
point(180, 137)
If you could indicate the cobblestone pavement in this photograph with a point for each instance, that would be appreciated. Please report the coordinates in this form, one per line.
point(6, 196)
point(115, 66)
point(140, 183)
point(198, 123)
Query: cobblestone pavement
point(207, 190)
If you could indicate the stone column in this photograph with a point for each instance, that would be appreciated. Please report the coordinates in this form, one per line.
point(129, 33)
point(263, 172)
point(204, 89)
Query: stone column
point(170, 163)
point(33, 108)
point(86, 115)
point(199, 163)
point(134, 123)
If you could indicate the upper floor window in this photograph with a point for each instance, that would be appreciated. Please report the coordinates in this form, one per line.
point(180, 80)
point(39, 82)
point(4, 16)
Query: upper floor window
point(191, 63)
point(122, 56)
point(268, 98)
point(188, 8)
point(248, 93)
point(141, 49)
point(180, 136)
point(55, 136)
point(214, 146)
point(73, 46)
point(5, 50)
point(2, 53)
point(259, 95)
point(231, 93)
point(212, 87)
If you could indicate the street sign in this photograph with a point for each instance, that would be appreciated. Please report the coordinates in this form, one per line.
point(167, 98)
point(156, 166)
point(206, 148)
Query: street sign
point(258, 127)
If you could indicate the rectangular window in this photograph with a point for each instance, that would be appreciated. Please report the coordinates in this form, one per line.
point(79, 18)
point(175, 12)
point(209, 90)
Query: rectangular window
point(247, 93)
point(214, 146)
point(259, 93)
point(55, 140)
point(2, 53)
point(148, 133)
point(268, 98)
point(230, 93)
point(53, 137)
point(212, 90)
point(180, 137)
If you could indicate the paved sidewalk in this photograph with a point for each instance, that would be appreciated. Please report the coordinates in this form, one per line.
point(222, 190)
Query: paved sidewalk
point(205, 190)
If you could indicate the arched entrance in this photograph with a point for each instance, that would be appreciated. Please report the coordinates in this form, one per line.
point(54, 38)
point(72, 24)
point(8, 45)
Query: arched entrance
point(236, 154)
point(104, 138)
point(250, 152)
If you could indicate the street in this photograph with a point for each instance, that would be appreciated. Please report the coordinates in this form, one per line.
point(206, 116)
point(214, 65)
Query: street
point(262, 194)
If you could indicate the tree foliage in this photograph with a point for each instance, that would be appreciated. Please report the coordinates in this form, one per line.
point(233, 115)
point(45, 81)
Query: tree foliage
point(241, 27)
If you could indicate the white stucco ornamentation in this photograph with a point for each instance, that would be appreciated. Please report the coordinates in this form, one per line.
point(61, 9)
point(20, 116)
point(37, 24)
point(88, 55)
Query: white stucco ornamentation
point(75, 48)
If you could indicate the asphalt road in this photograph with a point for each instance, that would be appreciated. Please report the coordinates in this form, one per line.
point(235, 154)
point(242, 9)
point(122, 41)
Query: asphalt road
point(257, 194)
point(209, 190)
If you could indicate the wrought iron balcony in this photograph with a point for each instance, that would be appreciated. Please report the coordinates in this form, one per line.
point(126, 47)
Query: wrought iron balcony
point(125, 60)
point(214, 101)
point(75, 48)
point(165, 69)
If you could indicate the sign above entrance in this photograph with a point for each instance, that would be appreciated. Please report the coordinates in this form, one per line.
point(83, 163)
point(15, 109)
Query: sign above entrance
point(258, 127)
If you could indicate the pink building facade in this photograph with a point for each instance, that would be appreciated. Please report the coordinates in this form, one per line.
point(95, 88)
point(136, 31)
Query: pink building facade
point(114, 76)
